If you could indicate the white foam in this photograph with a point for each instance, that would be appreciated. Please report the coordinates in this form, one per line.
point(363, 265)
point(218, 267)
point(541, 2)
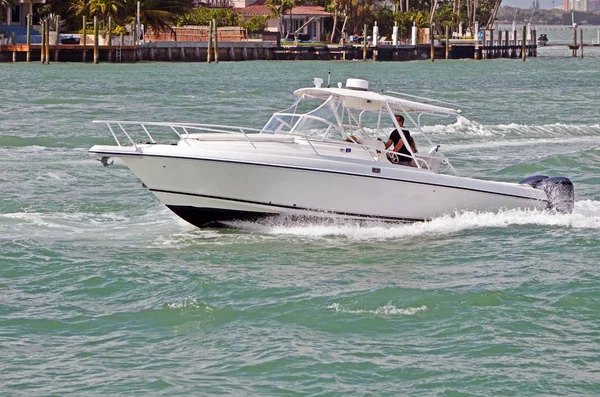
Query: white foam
point(586, 215)
point(466, 127)
point(190, 303)
point(386, 310)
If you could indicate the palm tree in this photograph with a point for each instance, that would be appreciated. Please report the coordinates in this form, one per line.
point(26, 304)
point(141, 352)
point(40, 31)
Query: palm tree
point(79, 7)
point(106, 8)
point(278, 9)
point(159, 15)
point(4, 4)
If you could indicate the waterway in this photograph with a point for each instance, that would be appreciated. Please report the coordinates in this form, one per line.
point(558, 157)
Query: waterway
point(104, 292)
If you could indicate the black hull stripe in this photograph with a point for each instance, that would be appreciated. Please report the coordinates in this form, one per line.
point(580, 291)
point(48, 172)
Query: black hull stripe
point(322, 171)
point(325, 213)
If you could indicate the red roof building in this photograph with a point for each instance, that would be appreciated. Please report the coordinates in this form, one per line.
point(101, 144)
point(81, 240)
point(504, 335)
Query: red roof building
point(291, 21)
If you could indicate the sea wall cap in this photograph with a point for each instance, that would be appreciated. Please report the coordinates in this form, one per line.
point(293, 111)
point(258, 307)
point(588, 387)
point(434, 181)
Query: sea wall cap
point(357, 84)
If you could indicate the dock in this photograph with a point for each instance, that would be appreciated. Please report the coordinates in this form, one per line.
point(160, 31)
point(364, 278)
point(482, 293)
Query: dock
point(248, 51)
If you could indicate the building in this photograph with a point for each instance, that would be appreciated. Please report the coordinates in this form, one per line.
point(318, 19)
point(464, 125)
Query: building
point(577, 5)
point(16, 15)
point(293, 21)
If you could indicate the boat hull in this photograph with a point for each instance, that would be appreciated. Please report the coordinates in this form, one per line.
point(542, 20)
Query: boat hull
point(205, 191)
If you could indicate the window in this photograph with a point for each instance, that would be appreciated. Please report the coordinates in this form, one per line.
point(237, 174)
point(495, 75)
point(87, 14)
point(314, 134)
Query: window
point(15, 14)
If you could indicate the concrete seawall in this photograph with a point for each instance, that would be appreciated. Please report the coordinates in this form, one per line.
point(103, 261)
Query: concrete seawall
point(182, 51)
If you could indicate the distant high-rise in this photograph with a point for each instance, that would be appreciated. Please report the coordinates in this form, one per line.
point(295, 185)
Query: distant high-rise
point(577, 5)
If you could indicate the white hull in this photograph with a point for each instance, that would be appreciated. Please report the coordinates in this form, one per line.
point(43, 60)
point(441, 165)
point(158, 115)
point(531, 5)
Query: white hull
point(233, 180)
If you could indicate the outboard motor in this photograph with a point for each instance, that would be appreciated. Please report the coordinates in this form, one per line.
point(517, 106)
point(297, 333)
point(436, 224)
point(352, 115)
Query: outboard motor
point(559, 191)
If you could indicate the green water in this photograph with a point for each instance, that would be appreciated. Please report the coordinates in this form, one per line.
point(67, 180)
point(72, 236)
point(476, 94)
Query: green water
point(104, 292)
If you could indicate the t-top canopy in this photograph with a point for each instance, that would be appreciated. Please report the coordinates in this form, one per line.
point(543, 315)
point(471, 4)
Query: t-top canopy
point(373, 101)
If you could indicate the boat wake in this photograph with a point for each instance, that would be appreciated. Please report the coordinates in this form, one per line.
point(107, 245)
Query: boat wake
point(466, 127)
point(386, 310)
point(586, 215)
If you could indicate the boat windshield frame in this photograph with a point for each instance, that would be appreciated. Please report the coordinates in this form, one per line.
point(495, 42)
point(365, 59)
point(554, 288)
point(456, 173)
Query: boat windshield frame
point(353, 106)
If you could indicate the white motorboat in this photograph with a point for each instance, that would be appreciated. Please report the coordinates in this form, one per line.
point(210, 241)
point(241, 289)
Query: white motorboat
point(319, 158)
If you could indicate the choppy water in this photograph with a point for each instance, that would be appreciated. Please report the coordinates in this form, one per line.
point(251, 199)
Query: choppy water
point(104, 292)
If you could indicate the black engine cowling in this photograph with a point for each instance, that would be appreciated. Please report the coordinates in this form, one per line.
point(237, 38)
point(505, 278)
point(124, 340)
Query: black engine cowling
point(559, 191)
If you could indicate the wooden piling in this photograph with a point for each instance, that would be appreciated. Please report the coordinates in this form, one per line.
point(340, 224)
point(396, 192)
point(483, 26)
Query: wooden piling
point(96, 50)
point(534, 44)
point(109, 39)
point(574, 46)
point(231, 54)
point(57, 42)
point(244, 53)
point(84, 39)
point(581, 41)
point(43, 46)
point(47, 43)
point(524, 44)
point(216, 38)
point(14, 42)
point(134, 32)
point(365, 43)
point(28, 55)
point(209, 43)
point(447, 42)
point(182, 54)
point(431, 44)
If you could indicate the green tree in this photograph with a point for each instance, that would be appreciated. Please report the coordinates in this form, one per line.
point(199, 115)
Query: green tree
point(278, 9)
point(4, 4)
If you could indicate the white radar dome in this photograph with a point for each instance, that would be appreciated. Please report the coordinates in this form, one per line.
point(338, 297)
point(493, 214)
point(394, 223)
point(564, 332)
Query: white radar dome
point(357, 84)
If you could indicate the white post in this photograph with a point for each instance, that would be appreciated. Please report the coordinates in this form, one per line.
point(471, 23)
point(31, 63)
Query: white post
point(413, 37)
point(460, 32)
point(476, 33)
point(395, 34)
point(138, 23)
point(529, 32)
point(375, 34)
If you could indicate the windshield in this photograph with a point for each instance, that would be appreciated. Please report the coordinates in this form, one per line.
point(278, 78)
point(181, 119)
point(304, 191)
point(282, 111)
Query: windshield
point(329, 119)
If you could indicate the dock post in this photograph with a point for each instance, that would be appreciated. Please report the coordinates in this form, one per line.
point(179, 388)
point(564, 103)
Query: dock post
point(14, 42)
point(492, 48)
point(581, 41)
point(244, 53)
point(216, 38)
point(42, 60)
point(524, 43)
point(197, 53)
point(47, 43)
point(109, 39)
point(447, 42)
point(231, 54)
point(365, 43)
point(28, 56)
point(534, 44)
point(96, 53)
point(431, 44)
point(182, 53)
point(375, 38)
point(209, 42)
point(57, 42)
point(134, 37)
point(574, 46)
point(84, 34)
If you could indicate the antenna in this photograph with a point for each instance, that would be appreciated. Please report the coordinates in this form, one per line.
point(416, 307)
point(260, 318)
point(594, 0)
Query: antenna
point(328, 78)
